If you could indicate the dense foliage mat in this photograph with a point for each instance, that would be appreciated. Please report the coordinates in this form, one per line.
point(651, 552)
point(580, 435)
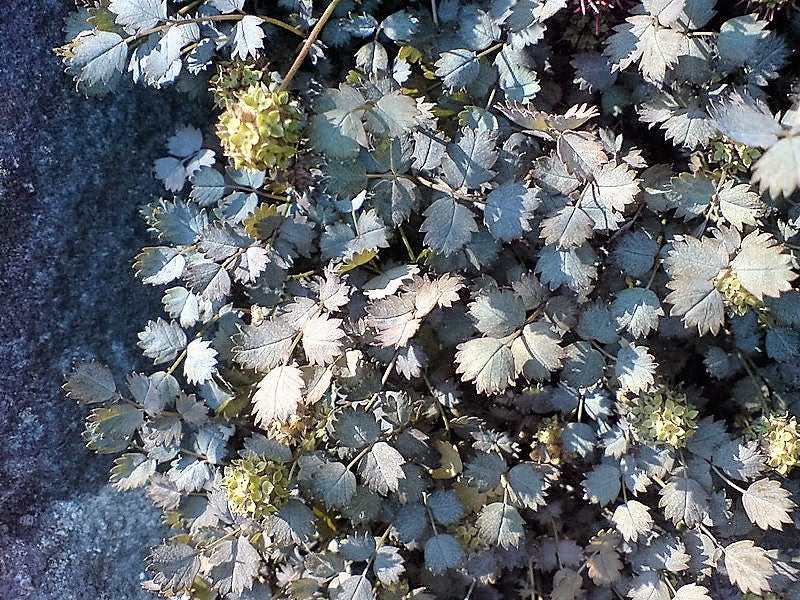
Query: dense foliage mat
point(464, 299)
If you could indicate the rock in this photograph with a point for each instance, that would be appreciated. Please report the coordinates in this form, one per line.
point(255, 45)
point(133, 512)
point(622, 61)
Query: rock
point(73, 173)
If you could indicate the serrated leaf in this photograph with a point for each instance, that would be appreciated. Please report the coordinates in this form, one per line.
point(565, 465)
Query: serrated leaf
point(395, 320)
point(509, 209)
point(761, 266)
point(334, 483)
point(500, 524)
point(749, 567)
point(131, 470)
point(236, 564)
point(159, 265)
point(292, 523)
point(684, 501)
point(97, 58)
point(603, 562)
point(635, 368)
point(637, 310)
point(248, 37)
point(767, 504)
point(277, 395)
point(356, 428)
point(265, 346)
point(488, 362)
point(354, 587)
point(690, 195)
point(388, 565)
point(381, 468)
point(739, 205)
point(778, 169)
point(457, 68)
point(497, 313)
point(526, 486)
point(746, 121)
point(200, 363)
point(537, 352)
point(578, 438)
point(602, 485)
point(443, 552)
point(321, 337)
point(90, 383)
point(574, 268)
point(467, 163)
point(648, 586)
point(580, 152)
point(448, 225)
point(632, 519)
point(641, 39)
point(162, 341)
point(174, 566)
point(134, 15)
point(517, 80)
point(567, 585)
point(207, 279)
point(445, 507)
point(692, 591)
point(570, 226)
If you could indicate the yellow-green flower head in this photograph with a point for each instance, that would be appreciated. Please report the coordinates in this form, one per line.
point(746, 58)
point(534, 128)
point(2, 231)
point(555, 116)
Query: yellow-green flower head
point(738, 300)
point(780, 441)
point(664, 417)
point(255, 486)
point(259, 128)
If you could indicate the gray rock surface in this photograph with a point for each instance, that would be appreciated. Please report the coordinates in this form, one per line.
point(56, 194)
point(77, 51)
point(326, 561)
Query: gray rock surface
point(73, 173)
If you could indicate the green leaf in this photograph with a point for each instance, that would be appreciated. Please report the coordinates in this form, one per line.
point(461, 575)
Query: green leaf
point(265, 346)
point(488, 362)
point(632, 519)
point(526, 486)
point(443, 552)
point(537, 351)
point(90, 383)
point(509, 209)
point(467, 163)
point(334, 484)
point(749, 566)
point(635, 368)
point(175, 566)
point(448, 225)
point(356, 428)
point(501, 525)
point(381, 468)
point(762, 267)
point(135, 15)
point(767, 504)
point(517, 80)
point(131, 470)
point(162, 341)
point(277, 396)
point(637, 310)
point(602, 484)
point(236, 564)
point(388, 565)
point(97, 59)
point(200, 363)
point(778, 170)
point(457, 68)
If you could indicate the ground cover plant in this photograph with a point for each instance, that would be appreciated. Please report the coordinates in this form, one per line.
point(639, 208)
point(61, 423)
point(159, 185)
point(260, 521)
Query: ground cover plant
point(463, 299)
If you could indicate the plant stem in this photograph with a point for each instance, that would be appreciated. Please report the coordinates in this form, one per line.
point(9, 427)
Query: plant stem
point(312, 37)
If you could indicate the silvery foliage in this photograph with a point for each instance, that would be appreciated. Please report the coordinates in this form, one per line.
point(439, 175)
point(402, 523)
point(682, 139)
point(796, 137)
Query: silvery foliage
point(472, 261)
